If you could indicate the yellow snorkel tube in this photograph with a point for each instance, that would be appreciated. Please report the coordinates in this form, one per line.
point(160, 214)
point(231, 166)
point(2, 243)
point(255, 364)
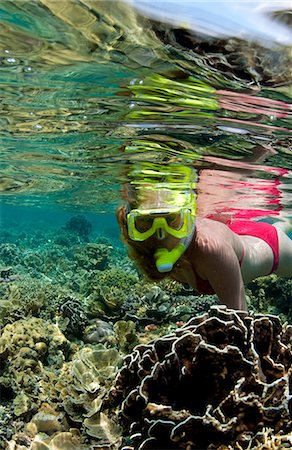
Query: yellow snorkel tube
point(166, 259)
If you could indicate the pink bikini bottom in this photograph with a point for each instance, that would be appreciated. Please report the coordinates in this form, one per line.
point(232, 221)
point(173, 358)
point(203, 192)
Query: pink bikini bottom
point(261, 230)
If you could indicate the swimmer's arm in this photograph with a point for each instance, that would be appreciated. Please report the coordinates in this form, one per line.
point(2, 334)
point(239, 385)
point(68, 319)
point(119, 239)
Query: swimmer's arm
point(223, 272)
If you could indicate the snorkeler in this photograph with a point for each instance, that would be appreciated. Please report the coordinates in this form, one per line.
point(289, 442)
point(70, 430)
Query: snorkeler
point(166, 238)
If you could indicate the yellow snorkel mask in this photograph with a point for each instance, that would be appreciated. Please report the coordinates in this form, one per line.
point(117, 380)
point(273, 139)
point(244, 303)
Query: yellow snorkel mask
point(142, 224)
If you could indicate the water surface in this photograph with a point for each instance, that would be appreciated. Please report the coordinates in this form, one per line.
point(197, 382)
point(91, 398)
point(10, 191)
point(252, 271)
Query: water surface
point(81, 81)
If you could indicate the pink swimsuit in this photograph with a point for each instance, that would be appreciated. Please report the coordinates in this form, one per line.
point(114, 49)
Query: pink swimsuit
point(261, 230)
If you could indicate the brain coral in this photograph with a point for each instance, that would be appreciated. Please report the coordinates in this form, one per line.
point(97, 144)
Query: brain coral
point(27, 348)
point(221, 379)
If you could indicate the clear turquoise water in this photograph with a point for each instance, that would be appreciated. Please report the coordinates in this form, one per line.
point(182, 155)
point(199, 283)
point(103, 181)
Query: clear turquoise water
point(66, 78)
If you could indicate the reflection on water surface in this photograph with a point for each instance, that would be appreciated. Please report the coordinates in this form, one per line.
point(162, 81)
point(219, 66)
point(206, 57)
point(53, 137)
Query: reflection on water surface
point(91, 88)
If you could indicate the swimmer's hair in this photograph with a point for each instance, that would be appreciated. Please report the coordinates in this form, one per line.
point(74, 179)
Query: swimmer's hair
point(129, 195)
point(141, 252)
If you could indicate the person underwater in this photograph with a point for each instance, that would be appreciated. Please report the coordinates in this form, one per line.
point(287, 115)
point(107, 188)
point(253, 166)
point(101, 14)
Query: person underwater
point(166, 237)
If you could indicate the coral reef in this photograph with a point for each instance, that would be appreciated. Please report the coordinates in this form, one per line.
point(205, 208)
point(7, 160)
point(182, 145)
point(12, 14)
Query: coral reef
point(6, 275)
point(47, 420)
point(33, 297)
point(99, 331)
point(79, 225)
point(92, 256)
point(164, 302)
point(93, 370)
point(10, 253)
point(272, 295)
point(93, 367)
point(26, 347)
point(32, 351)
point(66, 440)
point(70, 309)
point(126, 335)
point(105, 292)
point(218, 380)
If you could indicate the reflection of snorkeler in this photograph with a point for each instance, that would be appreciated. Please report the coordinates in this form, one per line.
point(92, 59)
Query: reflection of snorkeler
point(166, 238)
point(187, 97)
point(238, 193)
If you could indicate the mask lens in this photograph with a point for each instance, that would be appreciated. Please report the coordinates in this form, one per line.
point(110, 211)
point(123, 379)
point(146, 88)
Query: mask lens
point(143, 223)
point(175, 220)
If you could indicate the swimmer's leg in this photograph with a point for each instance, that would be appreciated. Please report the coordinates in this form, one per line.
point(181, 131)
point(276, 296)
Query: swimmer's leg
point(284, 229)
point(285, 226)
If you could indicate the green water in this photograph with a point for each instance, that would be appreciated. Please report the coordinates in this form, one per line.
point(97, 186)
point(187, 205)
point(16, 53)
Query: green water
point(68, 76)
